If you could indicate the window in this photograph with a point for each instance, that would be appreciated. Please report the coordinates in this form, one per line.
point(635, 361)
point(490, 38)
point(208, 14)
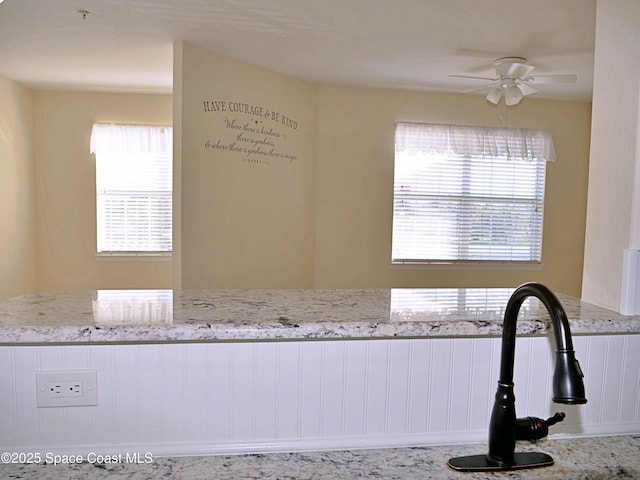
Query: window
point(133, 188)
point(468, 194)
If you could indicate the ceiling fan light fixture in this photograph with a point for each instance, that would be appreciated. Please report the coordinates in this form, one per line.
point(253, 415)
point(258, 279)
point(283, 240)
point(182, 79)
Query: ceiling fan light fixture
point(526, 89)
point(494, 95)
point(512, 95)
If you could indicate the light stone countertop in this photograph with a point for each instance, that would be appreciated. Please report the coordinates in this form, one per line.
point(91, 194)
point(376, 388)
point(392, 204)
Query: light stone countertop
point(113, 316)
point(594, 458)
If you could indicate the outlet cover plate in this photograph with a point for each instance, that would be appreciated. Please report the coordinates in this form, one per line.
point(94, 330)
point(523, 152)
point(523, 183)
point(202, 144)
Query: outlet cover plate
point(66, 388)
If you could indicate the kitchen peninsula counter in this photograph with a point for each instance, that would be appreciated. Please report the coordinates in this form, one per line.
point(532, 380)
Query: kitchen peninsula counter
point(124, 316)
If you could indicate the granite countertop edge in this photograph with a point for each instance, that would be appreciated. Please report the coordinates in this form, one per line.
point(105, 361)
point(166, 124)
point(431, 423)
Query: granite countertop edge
point(280, 315)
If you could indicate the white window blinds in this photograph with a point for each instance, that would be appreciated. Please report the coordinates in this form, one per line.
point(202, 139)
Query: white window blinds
point(469, 194)
point(133, 187)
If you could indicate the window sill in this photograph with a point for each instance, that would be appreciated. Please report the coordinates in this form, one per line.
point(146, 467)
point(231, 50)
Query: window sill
point(134, 257)
point(466, 266)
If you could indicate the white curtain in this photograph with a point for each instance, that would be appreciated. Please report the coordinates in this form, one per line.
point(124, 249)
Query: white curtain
point(467, 141)
point(111, 139)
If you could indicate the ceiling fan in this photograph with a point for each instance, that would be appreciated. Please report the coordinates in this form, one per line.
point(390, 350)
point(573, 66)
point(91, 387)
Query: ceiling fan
point(514, 80)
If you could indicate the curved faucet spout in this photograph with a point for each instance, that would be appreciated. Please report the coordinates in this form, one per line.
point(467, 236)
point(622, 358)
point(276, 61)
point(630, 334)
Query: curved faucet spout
point(567, 379)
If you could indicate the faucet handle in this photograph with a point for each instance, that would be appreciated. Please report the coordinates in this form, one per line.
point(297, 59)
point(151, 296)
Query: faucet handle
point(534, 428)
point(557, 417)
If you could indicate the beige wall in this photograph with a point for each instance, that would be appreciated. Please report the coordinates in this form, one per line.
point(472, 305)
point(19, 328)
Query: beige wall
point(323, 220)
point(65, 179)
point(17, 191)
point(247, 219)
point(354, 183)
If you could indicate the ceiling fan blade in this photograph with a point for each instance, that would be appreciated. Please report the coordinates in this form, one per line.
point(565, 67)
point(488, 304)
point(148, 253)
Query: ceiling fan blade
point(483, 88)
point(475, 78)
point(569, 78)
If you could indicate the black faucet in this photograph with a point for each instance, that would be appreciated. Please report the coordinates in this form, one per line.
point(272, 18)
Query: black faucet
point(504, 428)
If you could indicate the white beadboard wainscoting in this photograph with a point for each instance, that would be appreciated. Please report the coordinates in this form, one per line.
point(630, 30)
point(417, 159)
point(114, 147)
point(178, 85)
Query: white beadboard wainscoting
point(214, 398)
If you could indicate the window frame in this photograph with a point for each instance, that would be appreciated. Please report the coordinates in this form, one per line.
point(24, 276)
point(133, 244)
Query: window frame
point(162, 149)
point(543, 152)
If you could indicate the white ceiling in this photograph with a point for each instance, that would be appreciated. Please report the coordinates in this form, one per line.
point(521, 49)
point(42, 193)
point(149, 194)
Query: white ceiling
point(126, 45)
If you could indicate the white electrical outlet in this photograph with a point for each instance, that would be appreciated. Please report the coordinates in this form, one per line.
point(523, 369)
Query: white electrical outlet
point(66, 388)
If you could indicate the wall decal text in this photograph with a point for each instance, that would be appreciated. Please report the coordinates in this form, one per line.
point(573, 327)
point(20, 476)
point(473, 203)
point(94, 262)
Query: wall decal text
point(253, 133)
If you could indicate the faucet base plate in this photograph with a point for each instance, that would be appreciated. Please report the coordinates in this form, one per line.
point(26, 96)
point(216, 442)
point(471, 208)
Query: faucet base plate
point(479, 463)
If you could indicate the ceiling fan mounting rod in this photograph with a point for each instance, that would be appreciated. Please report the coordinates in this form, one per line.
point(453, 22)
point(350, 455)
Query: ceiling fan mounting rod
point(501, 60)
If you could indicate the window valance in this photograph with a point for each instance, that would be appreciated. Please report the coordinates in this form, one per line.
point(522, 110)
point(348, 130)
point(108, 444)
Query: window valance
point(467, 141)
point(112, 139)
